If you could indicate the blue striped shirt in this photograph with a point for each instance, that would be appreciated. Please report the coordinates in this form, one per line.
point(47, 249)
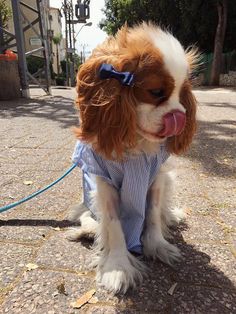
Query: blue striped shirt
point(131, 177)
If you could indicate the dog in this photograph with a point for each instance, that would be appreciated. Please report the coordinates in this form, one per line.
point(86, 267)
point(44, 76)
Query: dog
point(136, 109)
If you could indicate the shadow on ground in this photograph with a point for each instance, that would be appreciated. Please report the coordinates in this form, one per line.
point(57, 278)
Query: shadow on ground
point(198, 286)
point(38, 223)
point(215, 147)
point(59, 109)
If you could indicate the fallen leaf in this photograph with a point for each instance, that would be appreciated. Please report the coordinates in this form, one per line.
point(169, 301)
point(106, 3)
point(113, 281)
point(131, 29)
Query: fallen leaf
point(188, 210)
point(61, 288)
point(31, 266)
point(129, 302)
point(57, 228)
point(83, 300)
point(28, 182)
point(172, 289)
point(93, 300)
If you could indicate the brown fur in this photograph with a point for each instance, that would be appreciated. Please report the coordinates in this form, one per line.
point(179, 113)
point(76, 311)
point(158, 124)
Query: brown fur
point(180, 143)
point(107, 109)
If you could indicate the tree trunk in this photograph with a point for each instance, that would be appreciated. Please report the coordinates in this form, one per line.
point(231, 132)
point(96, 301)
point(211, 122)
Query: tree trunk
point(222, 6)
point(1, 36)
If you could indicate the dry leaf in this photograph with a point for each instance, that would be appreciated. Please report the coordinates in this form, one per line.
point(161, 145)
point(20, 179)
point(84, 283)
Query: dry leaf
point(61, 288)
point(172, 289)
point(93, 300)
point(57, 228)
point(28, 182)
point(188, 210)
point(31, 266)
point(83, 300)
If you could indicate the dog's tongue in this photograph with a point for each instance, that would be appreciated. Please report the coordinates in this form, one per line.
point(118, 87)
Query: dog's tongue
point(174, 123)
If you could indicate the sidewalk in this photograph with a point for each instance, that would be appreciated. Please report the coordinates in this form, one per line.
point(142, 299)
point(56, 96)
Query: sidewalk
point(41, 272)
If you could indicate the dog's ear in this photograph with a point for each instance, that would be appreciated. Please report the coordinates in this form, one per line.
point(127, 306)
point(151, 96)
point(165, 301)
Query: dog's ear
point(180, 143)
point(107, 110)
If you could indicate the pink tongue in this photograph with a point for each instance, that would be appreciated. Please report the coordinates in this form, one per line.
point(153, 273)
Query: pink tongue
point(174, 123)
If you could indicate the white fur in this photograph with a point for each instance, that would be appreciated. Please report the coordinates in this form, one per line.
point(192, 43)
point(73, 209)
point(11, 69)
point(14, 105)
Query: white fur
point(117, 269)
point(175, 61)
point(150, 118)
point(88, 228)
point(174, 56)
point(161, 214)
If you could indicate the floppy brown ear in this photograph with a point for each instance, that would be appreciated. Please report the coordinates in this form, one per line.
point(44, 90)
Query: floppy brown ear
point(180, 143)
point(107, 111)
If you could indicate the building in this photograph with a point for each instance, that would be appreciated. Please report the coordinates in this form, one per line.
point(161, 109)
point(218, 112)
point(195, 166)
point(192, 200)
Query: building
point(57, 44)
point(52, 21)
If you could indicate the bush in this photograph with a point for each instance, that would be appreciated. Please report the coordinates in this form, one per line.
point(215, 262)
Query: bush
point(60, 80)
point(34, 63)
point(63, 66)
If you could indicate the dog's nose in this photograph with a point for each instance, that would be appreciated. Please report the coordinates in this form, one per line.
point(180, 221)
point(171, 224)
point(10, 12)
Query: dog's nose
point(174, 123)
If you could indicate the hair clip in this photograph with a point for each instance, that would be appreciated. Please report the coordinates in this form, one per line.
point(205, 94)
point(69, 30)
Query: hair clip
point(107, 71)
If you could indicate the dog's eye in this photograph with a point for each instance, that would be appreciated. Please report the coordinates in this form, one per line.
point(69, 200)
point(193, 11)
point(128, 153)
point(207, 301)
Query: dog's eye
point(158, 93)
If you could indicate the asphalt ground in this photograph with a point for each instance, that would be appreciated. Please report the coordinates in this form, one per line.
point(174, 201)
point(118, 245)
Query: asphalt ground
point(41, 272)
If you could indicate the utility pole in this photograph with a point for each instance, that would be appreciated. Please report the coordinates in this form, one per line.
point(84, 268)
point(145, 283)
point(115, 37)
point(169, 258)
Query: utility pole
point(82, 12)
point(65, 9)
point(70, 47)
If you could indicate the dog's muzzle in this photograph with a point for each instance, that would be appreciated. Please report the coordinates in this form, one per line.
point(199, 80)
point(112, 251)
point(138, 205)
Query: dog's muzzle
point(173, 124)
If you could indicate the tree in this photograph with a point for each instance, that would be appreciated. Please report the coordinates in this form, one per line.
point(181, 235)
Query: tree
point(57, 40)
point(222, 7)
point(192, 22)
point(5, 15)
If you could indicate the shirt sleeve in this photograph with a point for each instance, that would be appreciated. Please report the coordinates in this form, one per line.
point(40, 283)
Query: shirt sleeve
point(164, 153)
point(89, 161)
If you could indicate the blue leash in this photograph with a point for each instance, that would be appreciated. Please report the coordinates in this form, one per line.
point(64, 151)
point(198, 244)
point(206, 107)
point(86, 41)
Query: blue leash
point(5, 208)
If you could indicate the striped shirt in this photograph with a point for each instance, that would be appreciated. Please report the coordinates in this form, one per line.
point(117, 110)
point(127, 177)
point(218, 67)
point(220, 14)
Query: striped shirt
point(132, 179)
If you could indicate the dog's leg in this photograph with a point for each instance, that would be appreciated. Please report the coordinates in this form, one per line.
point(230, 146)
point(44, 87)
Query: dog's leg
point(117, 269)
point(160, 216)
point(76, 211)
point(170, 215)
point(88, 226)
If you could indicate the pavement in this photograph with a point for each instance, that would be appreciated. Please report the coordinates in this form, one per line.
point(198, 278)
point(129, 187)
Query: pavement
point(41, 272)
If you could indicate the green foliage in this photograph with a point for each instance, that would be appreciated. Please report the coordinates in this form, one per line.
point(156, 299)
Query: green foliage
point(57, 39)
point(5, 13)
point(34, 63)
point(192, 22)
point(77, 63)
point(60, 79)
point(77, 60)
point(63, 66)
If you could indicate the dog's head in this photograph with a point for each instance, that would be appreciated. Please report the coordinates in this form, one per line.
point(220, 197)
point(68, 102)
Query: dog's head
point(158, 105)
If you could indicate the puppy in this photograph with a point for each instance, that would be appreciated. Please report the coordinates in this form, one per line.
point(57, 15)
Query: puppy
point(136, 109)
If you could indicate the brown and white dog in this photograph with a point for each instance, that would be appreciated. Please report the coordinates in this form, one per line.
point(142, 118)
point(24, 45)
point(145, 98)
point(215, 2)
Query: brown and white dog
point(157, 108)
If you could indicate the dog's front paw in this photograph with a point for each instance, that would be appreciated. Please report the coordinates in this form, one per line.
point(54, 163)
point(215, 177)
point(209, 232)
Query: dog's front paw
point(173, 216)
point(76, 211)
point(88, 228)
point(155, 246)
point(120, 272)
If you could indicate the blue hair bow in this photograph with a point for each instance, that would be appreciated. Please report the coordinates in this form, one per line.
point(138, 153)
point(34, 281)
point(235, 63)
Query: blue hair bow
point(107, 71)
